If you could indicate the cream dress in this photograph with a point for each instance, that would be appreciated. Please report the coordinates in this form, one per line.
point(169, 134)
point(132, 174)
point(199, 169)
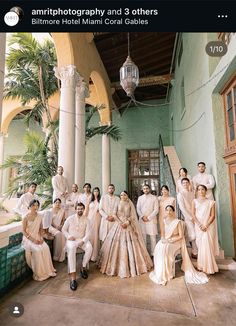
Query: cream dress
point(59, 238)
point(38, 256)
point(163, 202)
point(95, 221)
point(123, 252)
point(164, 258)
point(207, 242)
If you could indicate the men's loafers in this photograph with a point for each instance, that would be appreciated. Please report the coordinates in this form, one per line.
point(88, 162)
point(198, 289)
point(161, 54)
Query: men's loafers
point(84, 273)
point(73, 285)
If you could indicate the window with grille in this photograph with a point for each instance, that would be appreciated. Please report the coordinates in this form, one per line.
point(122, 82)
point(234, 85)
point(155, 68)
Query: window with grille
point(143, 169)
point(230, 113)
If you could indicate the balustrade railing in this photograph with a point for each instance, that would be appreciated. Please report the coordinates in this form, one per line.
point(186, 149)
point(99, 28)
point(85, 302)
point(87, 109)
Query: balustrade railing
point(166, 175)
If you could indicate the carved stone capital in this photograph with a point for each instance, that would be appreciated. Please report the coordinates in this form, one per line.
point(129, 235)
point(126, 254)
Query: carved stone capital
point(67, 75)
point(82, 90)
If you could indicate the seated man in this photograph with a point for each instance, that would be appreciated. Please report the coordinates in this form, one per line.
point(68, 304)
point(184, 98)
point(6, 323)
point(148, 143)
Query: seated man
point(76, 230)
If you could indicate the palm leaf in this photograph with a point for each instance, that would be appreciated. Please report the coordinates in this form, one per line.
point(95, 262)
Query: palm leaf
point(113, 131)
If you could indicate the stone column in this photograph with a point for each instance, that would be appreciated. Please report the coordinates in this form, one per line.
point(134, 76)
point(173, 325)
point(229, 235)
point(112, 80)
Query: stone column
point(2, 68)
point(80, 150)
point(106, 163)
point(66, 145)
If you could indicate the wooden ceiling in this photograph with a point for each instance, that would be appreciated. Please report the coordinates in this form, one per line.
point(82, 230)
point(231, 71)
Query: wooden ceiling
point(151, 52)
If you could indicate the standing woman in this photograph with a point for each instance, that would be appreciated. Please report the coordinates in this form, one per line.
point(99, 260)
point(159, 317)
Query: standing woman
point(58, 219)
point(203, 211)
point(164, 200)
point(95, 220)
point(183, 173)
point(124, 252)
point(37, 252)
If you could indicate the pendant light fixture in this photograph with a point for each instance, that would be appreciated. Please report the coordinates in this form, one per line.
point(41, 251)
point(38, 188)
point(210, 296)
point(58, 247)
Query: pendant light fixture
point(129, 75)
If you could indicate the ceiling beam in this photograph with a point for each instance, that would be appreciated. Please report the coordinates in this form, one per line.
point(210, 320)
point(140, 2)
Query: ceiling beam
point(148, 81)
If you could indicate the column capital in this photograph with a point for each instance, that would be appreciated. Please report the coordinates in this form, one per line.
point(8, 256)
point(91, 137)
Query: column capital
point(82, 89)
point(67, 75)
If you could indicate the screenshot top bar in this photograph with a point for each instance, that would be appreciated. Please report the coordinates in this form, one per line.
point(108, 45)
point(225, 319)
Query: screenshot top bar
point(116, 16)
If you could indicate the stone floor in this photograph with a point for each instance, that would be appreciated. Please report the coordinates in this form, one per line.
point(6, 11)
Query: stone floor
point(102, 300)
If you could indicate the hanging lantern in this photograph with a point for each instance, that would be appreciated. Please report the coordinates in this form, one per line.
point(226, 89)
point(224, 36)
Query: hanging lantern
point(129, 75)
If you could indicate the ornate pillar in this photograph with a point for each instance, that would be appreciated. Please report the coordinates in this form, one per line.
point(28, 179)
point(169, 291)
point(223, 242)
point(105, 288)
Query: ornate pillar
point(2, 68)
point(80, 151)
point(106, 163)
point(66, 145)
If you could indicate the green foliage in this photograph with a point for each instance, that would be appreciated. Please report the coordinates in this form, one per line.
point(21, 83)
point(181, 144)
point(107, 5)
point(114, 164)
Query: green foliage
point(2, 207)
point(17, 218)
point(31, 78)
point(38, 164)
point(30, 73)
point(112, 130)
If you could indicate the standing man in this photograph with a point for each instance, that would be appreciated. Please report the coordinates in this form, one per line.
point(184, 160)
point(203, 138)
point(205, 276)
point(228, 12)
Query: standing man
point(71, 200)
point(108, 207)
point(202, 178)
point(22, 207)
point(147, 209)
point(60, 186)
point(185, 199)
point(76, 229)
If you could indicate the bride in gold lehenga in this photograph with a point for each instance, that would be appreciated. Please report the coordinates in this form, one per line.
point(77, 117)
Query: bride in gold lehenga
point(123, 252)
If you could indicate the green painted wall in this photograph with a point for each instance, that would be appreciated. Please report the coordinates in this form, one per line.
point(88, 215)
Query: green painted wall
point(199, 126)
point(140, 128)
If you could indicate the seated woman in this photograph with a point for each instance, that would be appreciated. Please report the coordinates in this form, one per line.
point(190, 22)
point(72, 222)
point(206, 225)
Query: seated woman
point(95, 221)
point(37, 252)
point(166, 249)
point(123, 252)
point(203, 211)
point(57, 222)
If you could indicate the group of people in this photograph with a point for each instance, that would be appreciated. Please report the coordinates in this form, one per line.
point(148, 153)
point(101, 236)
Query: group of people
point(112, 233)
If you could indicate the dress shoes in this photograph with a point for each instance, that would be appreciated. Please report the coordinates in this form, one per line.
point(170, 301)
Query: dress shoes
point(73, 285)
point(84, 273)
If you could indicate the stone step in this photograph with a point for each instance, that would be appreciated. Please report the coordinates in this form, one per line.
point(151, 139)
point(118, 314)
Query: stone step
point(225, 264)
point(173, 159)
point(221, 254)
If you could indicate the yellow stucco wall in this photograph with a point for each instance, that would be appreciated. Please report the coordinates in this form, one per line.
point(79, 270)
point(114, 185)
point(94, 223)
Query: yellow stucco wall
point(77, 49)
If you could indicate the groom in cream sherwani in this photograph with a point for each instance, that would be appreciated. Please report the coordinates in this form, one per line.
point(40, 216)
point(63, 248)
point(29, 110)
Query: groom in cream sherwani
point(147, 209)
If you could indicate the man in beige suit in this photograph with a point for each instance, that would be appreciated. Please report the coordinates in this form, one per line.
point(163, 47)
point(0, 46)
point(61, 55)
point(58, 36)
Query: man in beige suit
point(77, 231)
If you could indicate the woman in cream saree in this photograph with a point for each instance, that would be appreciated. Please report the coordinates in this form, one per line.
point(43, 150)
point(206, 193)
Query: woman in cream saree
point(166, 249)
point(37, 252)
point(57, 222)
point(95, 221)
point(203, 211)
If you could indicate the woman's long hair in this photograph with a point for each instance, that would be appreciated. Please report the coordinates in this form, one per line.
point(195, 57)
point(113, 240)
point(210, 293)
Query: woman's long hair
point(99, 194)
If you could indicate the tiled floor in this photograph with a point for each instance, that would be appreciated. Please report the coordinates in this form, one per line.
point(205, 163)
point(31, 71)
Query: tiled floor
point(103, 300)
point(139, 292)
